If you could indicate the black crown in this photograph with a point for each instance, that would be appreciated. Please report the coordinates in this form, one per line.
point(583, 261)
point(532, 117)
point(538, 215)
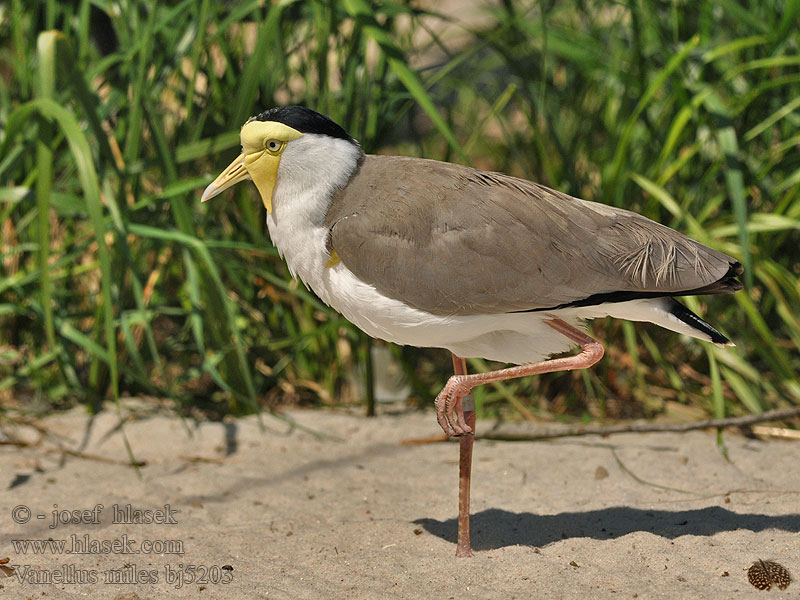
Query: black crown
point(304, 120)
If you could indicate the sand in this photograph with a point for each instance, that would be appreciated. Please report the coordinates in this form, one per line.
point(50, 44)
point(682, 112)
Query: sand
point(284, 513)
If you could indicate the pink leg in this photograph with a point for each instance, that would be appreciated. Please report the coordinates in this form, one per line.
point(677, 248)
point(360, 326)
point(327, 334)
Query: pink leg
point(464, 548)
point(449, 409)
point(456, 420)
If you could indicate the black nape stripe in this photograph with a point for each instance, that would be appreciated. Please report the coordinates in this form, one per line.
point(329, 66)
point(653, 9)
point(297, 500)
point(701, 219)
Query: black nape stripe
point(304, 120)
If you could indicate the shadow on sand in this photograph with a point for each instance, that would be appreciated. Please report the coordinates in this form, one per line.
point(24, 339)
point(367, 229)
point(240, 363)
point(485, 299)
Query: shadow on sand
point(495, 528)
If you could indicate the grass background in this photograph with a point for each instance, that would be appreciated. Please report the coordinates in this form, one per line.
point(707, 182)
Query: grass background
point(114, 280)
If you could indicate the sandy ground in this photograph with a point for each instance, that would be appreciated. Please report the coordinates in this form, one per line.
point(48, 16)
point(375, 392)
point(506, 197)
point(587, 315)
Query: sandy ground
point(281, 513)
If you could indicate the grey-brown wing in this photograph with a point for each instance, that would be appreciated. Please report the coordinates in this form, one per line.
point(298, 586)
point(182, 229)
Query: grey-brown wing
point(448, 239)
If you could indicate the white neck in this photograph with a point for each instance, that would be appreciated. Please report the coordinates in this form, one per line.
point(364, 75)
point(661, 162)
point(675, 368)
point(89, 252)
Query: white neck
point(312, 168)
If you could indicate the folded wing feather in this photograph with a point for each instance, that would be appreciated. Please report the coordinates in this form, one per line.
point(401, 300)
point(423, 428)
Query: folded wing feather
point(449, 239)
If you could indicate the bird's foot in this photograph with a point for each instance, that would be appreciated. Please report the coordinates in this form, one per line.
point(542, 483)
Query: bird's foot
point(450, 407)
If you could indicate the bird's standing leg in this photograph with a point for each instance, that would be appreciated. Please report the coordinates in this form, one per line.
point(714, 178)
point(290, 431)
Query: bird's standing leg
point(449, 409)
point(464, 548)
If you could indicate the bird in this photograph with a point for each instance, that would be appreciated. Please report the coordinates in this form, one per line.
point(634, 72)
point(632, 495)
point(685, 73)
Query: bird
point(427, 253)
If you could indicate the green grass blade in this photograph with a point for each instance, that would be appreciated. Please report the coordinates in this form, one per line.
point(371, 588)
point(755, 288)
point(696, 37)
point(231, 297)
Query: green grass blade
point(46, 51)
point(734, 179)
point(82, 155)
point(616, 167)
point(717, 396)
point(361, 11)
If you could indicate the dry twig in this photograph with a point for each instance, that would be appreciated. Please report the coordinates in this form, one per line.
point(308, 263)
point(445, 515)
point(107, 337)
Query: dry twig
point(527, 431)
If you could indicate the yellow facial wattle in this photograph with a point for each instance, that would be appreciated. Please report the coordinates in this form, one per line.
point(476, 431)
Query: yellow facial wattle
point(263, 142)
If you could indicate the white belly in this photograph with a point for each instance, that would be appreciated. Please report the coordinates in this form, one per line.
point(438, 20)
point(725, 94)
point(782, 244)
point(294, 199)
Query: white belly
point(515, 338)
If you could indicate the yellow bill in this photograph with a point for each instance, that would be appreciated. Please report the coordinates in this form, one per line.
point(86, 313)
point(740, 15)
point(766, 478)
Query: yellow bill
point(233, 174)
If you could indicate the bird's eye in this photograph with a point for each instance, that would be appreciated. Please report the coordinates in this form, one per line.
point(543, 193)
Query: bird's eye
point(274, 145)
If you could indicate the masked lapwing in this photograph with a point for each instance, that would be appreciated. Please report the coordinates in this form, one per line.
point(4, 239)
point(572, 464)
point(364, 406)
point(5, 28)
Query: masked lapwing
point(434, 254)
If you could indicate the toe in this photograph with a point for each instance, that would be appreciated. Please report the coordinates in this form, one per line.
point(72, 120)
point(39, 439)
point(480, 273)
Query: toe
point(454, 413)
point(441, 414)
point(461, 421)
point(445, 425)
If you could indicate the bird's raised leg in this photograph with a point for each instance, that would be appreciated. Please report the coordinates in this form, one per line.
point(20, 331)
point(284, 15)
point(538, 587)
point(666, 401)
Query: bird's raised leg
point(464, 548)
point(455, 408)
point(449, 409)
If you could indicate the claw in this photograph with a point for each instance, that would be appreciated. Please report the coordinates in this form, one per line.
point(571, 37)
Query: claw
point(441, 414)
point(450, 409)
point(455, 412)
point(461, 421)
